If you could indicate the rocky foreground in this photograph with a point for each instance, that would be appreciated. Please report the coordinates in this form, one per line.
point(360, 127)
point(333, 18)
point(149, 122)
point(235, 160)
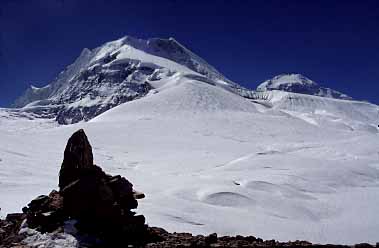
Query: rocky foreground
point(10, 236)
point(94, 209)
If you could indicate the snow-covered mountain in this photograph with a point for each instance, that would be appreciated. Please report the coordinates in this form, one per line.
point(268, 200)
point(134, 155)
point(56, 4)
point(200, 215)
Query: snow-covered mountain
point(298, 83)
point(209, 160)
point(127, 69)
point(114, 73)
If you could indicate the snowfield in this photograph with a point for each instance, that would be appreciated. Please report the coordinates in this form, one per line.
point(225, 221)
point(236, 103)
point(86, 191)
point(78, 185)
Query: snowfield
point(210, 161)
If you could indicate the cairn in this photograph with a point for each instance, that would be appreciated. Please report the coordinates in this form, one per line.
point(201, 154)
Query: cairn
point(101, 204)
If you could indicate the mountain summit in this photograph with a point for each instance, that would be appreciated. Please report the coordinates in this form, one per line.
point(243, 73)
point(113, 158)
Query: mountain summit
point(114, 73)
point(298, 83)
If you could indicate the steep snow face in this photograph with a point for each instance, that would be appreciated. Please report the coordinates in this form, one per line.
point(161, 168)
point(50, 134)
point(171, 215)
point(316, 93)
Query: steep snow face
point(169, 49)
point(299, 84)
point(114, 73)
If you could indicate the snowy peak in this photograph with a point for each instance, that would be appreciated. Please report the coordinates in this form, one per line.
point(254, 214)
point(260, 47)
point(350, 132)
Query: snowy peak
point(116, 72)
point(287, 81)
point(160, 52)
point(154, 53)
point(298, 83)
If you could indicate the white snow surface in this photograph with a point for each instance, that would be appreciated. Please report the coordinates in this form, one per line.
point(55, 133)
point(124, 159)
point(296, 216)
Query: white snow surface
point(211, 161)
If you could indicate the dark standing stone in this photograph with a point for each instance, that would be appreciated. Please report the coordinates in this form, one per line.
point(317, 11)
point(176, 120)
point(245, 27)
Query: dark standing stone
point(77, 156)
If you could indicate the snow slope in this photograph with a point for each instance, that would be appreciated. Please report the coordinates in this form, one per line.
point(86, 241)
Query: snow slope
point(212, 161)
point(323, 111)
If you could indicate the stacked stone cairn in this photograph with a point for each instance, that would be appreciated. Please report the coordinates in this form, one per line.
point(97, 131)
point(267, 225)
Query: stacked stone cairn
point(100, 204)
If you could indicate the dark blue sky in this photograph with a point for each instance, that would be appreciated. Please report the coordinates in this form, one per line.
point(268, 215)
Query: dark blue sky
point(335, 43)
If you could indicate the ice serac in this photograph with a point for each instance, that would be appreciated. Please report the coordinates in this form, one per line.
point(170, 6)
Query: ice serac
point(298, 83)
point(114, 73)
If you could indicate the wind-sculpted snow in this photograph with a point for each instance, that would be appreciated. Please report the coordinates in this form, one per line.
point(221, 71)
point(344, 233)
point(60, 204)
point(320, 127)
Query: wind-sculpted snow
point(212, 161)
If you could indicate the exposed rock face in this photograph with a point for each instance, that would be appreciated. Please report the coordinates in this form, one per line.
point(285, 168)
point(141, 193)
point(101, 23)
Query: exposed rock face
point(88, 92)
